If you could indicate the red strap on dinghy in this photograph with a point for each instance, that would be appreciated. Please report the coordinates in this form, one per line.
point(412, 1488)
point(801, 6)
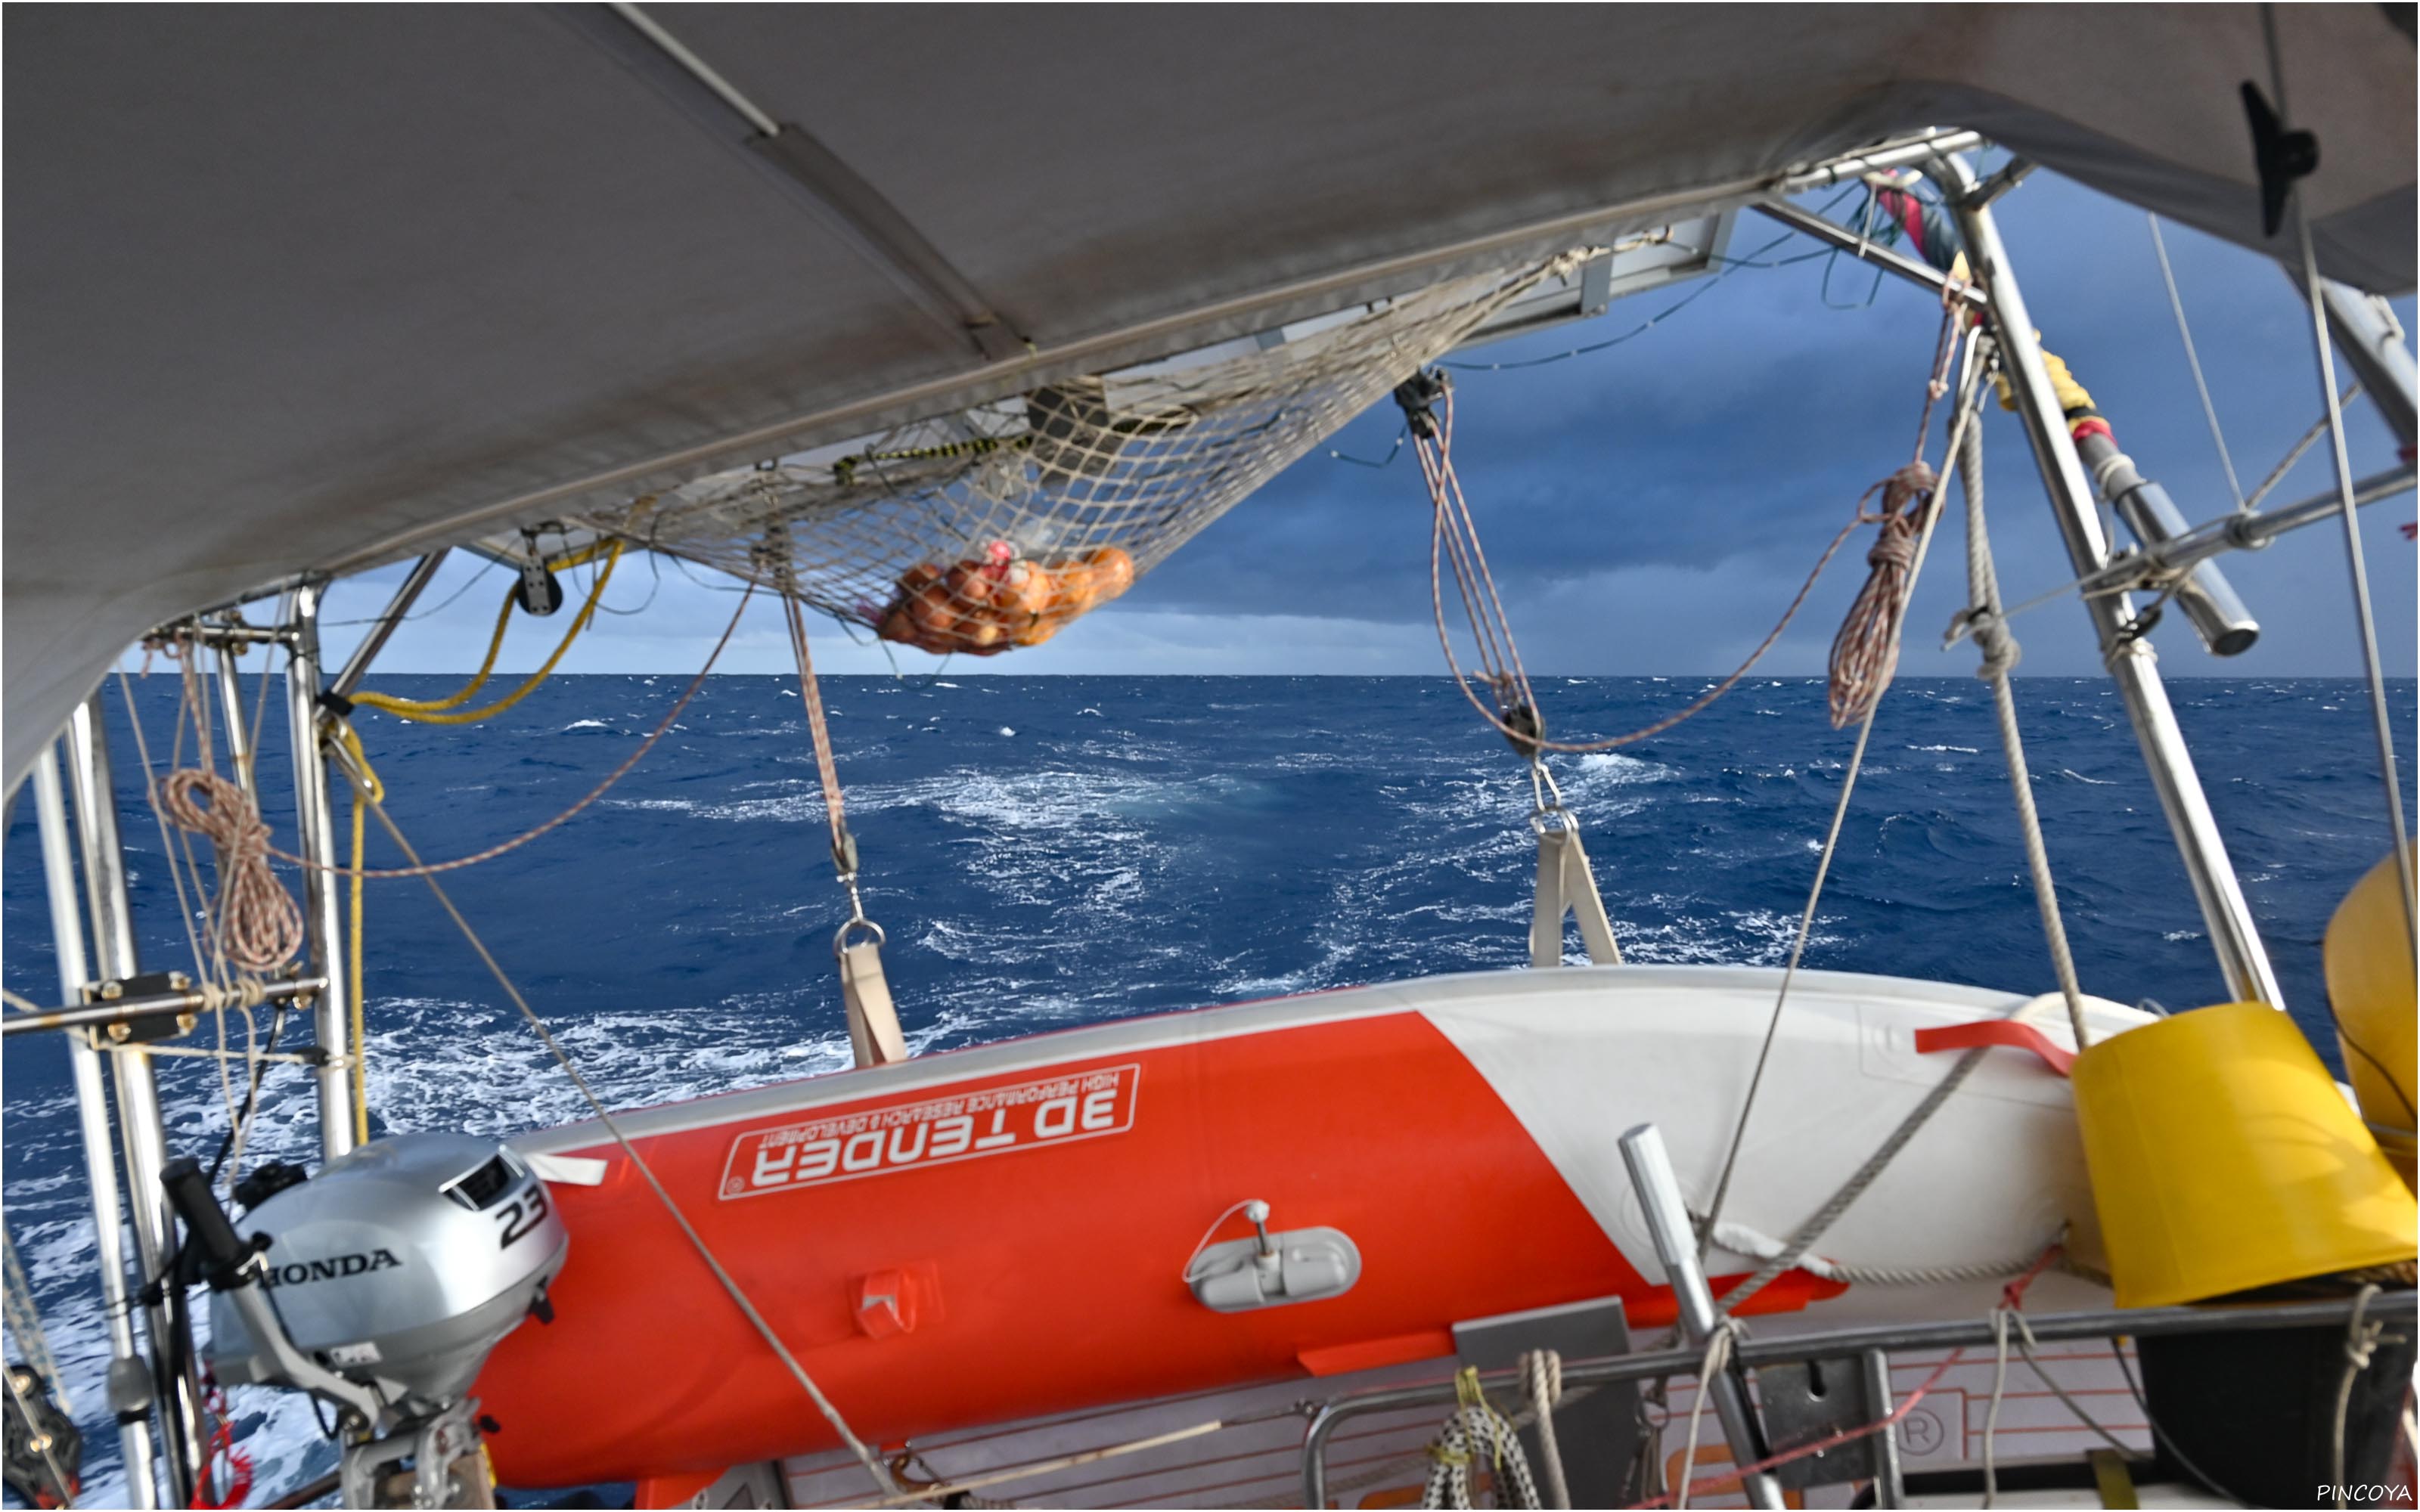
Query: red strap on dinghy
point(2006, 1032)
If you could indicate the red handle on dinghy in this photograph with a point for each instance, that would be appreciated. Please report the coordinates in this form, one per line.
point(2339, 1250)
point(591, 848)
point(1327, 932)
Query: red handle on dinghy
point(2006, 1032)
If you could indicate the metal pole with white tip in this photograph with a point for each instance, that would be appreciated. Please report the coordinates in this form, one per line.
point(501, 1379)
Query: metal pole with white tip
point(1676, 1245)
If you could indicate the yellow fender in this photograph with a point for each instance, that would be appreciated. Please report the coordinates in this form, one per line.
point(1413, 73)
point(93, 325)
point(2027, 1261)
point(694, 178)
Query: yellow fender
point(2224, 1157)
point(2369, 955)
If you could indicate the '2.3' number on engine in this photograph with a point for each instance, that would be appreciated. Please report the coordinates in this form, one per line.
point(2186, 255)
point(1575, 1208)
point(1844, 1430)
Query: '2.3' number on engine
point(521, 1216)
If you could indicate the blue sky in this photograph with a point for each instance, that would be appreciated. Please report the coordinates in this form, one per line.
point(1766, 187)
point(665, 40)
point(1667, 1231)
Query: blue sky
point(1651, 508)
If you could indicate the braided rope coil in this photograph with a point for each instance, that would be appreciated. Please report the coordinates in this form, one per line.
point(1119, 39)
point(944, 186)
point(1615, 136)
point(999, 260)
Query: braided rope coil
point(1474, 1431)
point(1864, 654)
point(260, 924)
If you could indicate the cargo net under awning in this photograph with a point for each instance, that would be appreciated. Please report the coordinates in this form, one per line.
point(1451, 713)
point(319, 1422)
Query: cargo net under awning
point(994, 527)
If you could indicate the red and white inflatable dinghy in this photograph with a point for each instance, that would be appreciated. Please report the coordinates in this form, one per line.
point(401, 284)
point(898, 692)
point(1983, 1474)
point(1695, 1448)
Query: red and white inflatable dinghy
point(998, 1233)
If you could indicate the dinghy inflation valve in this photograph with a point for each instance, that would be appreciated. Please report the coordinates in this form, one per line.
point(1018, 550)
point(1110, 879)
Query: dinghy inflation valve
point(1256, 1213)
point(1270, 1270)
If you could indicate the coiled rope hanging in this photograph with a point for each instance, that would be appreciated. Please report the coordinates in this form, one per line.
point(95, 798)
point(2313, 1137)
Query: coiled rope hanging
point(1924, 517)
point(1864, 656)
point(259, 925)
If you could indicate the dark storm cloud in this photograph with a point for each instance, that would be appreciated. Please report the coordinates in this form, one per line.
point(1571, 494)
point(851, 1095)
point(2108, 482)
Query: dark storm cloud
point(1733, 442)
point(1651, 508)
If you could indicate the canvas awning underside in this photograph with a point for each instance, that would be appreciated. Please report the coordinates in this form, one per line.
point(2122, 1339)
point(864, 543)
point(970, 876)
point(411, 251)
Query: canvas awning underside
point(299, 288)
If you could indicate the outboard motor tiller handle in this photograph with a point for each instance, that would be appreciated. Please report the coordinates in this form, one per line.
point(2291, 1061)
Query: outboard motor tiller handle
point(223, 1250)
point(225, 1259)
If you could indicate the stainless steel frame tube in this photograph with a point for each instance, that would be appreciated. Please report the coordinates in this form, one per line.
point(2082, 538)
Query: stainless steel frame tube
point(407, 593)
point(1968, 1333)
point(92, 1119)
point(1890, 261)
point(2363, 330)
point(322, 902)
point(238, 731)
point(2133, 664)
point(133, 1010)
point(2236, 531)
point(1890, 1489)
point(144, 1140)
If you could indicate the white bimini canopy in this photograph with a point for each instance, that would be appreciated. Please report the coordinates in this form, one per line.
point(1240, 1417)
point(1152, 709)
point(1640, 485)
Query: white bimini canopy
point(299, 288)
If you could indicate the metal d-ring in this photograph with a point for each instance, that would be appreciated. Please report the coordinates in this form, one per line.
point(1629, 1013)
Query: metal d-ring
point(839, 937)
point(1538, 817)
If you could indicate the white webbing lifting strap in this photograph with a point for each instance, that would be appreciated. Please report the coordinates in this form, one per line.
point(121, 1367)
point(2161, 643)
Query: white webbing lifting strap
point(1566, 885)
point(874, 1037)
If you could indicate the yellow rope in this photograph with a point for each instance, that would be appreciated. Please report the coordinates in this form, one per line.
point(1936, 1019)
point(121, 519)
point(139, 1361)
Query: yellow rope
point(411, 708)
point(368, 790)
point(447, 710)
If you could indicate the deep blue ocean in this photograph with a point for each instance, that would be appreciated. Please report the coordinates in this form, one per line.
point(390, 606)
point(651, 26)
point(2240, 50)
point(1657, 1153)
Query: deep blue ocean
point(1052, 850)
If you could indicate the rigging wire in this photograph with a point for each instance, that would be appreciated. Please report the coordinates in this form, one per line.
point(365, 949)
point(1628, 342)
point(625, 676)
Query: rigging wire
point(171, 844)
point(731, 1286)
point(489, 565)
point(366, 790)
point(25, 1320)
point(216, 913)
point(2192, 358)
point(1865, 232)
point(2160, 1438)
point(2000, 654)
point(593, 793)
point(2367, 621)
point(1969, 392)
point(1735, 264)
point(2286, 465)
point(1451, 534)
point(1865, 653)
point(655, 586)
point(681, 565)
point(24, 1325)
point(1393, 452)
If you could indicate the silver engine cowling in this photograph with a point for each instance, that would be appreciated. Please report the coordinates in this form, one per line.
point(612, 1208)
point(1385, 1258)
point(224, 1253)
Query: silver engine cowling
point(401, 1264)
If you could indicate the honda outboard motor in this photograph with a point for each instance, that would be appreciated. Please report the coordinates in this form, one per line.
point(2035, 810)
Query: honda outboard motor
point(381, 1285)
point(400, 1265)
